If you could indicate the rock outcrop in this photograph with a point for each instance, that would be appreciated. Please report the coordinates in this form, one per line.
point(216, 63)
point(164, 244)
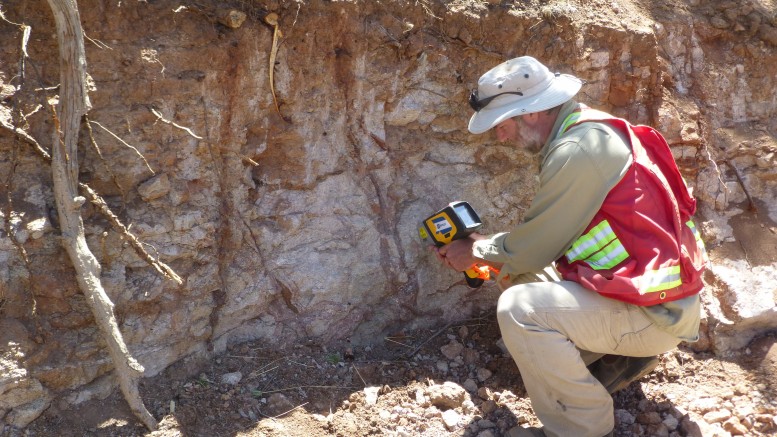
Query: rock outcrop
point(299, 220)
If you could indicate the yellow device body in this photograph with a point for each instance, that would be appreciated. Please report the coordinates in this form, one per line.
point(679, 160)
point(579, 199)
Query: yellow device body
point(455, 221)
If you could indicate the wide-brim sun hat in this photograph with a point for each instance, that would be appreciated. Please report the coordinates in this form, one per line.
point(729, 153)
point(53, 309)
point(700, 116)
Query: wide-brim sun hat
point(521, 86)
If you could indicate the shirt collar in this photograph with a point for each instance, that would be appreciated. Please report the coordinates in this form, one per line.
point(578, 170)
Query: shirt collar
point(566, 109)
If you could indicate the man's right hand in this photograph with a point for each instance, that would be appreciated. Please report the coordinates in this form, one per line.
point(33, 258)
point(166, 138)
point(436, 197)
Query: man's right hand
point(457, 255)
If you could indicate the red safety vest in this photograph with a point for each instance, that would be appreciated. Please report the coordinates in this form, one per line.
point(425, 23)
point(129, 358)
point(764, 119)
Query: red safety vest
point(641, 246)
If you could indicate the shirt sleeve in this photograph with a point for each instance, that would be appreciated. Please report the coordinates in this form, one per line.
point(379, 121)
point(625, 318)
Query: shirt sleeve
point(577, 174)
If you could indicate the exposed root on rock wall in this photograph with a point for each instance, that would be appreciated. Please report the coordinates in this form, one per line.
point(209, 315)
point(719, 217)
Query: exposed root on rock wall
point(104, 209)
point(102, 159)
point(272, 19)
point(171, 123)
point(8, 120)
point(751, 204)
point(8, 212)
point(124, 143)
point(136, 244)
point(73, 104)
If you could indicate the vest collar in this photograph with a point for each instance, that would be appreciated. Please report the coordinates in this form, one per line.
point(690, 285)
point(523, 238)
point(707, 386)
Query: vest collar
point(566, 109)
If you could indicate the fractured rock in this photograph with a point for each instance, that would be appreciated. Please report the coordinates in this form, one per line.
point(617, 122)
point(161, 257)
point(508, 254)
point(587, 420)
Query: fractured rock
point(447, 395)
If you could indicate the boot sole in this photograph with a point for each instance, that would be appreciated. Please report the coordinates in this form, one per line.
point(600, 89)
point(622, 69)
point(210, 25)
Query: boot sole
point(631, 375)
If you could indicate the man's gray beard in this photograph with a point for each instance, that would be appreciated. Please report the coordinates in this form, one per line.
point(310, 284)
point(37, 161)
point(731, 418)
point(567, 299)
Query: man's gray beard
point(530, 138)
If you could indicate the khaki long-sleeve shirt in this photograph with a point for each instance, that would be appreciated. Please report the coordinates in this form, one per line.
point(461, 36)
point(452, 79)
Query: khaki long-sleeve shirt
point(577, 171)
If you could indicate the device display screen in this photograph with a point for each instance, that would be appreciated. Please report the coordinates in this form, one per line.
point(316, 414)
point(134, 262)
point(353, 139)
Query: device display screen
point(466, 216)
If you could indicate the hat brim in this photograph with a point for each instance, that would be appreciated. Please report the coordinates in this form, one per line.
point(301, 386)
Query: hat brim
point(563, 88)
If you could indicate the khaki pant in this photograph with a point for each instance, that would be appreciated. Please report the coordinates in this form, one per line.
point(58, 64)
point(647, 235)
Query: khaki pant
point(553, 329)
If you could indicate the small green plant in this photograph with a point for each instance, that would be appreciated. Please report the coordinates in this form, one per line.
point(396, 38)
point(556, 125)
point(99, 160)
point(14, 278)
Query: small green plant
point(333, 358)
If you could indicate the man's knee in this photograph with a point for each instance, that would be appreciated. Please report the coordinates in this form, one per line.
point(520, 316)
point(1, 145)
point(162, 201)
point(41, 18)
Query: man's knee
point(525, 304)
point(513, 306)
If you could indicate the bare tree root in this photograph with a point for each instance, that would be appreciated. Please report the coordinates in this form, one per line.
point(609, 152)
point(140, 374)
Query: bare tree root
point(159, 266)
point(73, 104)
point(164, 120)
point(8, 186)
point(125, 143)
point(103, 207)
point(102, 159)
point(12, 121)
point(751, 203)
point(272, 20)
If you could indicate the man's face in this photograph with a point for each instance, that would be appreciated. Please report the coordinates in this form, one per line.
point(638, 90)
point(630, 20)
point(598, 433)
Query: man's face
point(507, 130)
point(517, 131)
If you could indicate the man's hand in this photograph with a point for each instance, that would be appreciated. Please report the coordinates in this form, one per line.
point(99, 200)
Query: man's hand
point(457, 255)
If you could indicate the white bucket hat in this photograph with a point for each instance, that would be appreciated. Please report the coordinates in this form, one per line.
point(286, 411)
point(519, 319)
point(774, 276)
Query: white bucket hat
point(517, 87)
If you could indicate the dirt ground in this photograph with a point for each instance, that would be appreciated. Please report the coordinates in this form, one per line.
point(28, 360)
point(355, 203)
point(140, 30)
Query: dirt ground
point(452, 382)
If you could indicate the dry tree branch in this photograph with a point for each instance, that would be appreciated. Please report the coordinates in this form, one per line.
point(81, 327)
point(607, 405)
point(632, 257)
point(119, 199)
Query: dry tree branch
point(126, 144)
point(751, 203)
point(4, 18)
point(418, 348)
point(397, 342)
point(336, 387)
point(286, 412)
point(100, 155)
point(272, 19)
point(164, 120)
point(98, 43)
point(26, 30)
point(74, 104)
point(359, 374)
point(159, 266)
point(427, 9)
point(21, 133)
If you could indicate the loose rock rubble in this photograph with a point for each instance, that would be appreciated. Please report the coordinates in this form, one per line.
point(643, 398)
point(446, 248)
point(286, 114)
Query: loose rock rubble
point(460, 383)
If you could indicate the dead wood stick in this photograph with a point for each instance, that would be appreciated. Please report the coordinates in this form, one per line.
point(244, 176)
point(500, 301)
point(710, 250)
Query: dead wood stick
point(159, 266)
point(360, 375)
point(336, 387)
point(397, 342)
point(125, 144)
point(418, 348)
point(751, 203)
point(102, 158)
point(171, 123)
point(72, 106)
point(289, 411)
point(272, 20)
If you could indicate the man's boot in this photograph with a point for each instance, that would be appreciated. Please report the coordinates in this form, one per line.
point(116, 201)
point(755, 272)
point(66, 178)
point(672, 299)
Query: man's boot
point(518, 431)
point(616, 372)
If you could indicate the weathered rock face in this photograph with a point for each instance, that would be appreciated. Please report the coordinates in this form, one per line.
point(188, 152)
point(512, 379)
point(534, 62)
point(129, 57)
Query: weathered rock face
point(301, 221)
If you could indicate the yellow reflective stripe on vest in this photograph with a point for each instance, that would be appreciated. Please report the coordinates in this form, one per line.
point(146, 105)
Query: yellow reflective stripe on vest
point(599, 248)
point(575, 116)
point(608, 257)
point(661, 279)
point(598, 237)
point(697, 235)
point(570, 120)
